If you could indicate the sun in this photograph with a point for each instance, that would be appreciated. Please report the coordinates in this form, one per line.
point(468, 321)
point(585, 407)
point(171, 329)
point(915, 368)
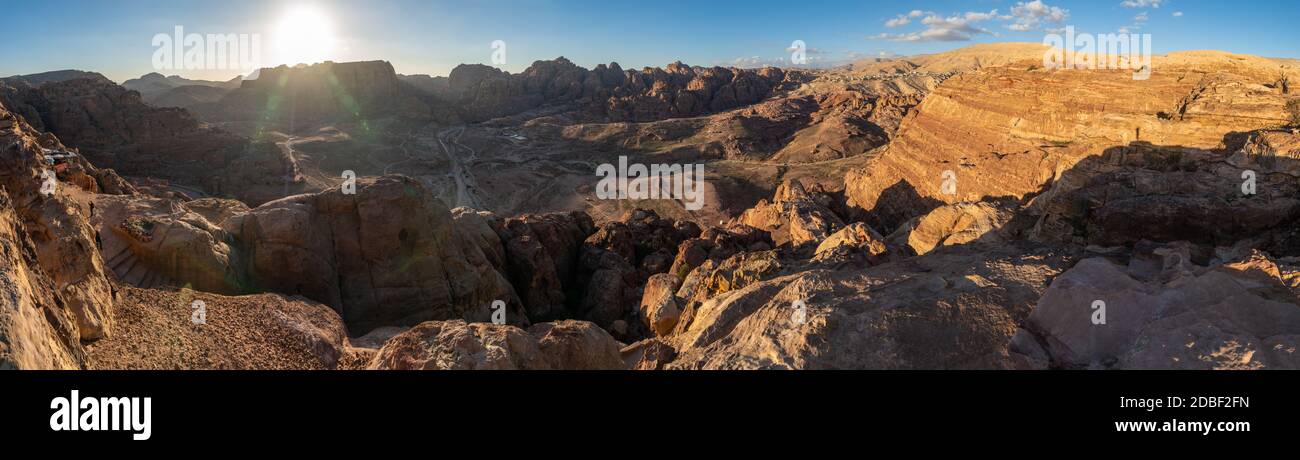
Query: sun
point(305, 35)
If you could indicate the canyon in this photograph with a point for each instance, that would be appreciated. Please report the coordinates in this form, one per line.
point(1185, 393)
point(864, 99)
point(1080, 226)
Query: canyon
point(962, 210)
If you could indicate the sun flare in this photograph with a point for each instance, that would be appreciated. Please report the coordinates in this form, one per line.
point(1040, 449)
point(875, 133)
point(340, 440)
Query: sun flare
point(305, 35)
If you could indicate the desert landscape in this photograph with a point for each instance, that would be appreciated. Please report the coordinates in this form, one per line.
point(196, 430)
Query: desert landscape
point(965, 209)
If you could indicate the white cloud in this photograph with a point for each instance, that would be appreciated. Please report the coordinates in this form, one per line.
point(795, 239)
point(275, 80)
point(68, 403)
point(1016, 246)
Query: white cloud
point(1178, 14)
point(954, 28)
point(1024, 16)
point(1142, 3)
point(1031, 15)
point(905, 19)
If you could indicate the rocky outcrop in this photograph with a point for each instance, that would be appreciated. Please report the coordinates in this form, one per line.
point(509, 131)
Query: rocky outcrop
point(541, 260)
point(957, 223)
point(1143, 191)
point(718, 244)
point(952, 308)
point(659, 309)
point(854, 239)
point(151, 242)
point(616, 263)
point(1009, 132)
point(456, 345)
point(114, 128)
point(1241, 315)
point(388, 255)
point(648, 355)
point(36, 330)
point(56, 222)
point(794, 216)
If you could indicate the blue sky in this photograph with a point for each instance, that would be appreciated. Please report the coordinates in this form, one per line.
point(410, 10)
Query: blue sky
point(433, 36)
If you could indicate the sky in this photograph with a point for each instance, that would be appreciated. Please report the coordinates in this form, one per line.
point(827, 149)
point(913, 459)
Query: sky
point(116, 38)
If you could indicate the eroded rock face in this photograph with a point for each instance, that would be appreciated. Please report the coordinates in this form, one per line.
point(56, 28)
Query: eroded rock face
point(56, 223)
point(541, 253)
point(1242, 315)
point(388, 255)
point(36, 330)
point(1169, 194)
point(1008, 132)
point(953, 308)
point(151, 242)
point(659, 309)
point(115, 129)
point(456, 345)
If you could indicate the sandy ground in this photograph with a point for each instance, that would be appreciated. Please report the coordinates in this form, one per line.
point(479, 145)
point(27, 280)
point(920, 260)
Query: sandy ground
point(153, 330)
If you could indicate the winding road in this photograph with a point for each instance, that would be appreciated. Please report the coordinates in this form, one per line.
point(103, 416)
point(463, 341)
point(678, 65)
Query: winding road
point(449, 141)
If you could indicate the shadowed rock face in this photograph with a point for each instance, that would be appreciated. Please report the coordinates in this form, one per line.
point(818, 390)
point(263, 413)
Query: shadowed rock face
point(388, 255)
point(481, 92)
point(113, 128)
point(298, 97)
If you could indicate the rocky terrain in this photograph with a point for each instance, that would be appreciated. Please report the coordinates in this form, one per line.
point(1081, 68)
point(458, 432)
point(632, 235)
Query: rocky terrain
point(966, 210)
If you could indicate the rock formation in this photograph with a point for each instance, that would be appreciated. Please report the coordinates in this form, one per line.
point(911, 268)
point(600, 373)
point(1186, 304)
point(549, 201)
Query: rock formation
point(456, 345)
point(54, 220)
point(115, 129)
point(482, 93)
point(298, 97)
point(388, 255)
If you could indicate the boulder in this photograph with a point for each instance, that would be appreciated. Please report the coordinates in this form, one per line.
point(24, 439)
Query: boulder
point(1242, 315)
point(855, 238)
point(659, 308)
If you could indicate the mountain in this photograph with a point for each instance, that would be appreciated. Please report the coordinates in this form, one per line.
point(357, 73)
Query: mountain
point(175, 91)
point(325, 92)
point(38, 79)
